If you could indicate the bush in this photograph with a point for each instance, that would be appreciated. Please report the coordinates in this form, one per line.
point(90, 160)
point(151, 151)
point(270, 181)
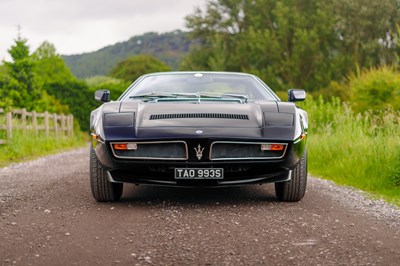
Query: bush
point(76, 95)
point(115, 86)
point(133, 67)
point(375, 89)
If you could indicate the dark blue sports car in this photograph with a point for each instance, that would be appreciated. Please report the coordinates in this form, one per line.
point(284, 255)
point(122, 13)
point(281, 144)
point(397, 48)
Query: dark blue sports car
point(198, 129)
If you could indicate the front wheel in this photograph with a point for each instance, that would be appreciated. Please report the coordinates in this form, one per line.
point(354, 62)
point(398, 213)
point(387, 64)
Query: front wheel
point(102, 189)
point(294, 189)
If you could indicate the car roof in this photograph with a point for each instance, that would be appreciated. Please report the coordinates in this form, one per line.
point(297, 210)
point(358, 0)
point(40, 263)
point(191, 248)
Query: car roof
point(198, 72)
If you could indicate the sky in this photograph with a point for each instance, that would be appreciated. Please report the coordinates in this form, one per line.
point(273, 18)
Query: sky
point(77, 26)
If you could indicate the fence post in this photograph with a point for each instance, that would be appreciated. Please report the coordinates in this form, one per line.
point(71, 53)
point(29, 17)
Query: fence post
point(46, 123)
point(23, 118)
point(63, 123)
point(69, 125)
point(9, 125)
point(63, 127)
point(34, 122)
point(55, 124)
point(72, 124)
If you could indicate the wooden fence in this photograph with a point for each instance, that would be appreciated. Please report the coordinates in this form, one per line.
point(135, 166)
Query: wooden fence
point(60, 125)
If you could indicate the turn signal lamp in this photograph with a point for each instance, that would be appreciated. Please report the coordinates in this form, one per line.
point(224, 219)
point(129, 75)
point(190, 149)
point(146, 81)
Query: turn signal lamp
point(121, 146)
point(272, 147)
point(125, 146)
point(132, 146)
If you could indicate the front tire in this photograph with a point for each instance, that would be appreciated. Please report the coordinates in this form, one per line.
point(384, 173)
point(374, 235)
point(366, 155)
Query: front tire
point(102, 189)
point(294, 189)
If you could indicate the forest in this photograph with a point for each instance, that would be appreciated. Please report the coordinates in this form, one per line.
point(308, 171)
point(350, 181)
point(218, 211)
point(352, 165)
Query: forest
point(344, 53)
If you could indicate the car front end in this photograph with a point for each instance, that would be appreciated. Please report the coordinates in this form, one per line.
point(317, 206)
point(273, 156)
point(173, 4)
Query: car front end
point(187, 139)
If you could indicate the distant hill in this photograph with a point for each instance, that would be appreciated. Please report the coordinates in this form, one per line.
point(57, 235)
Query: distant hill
point(169, 47)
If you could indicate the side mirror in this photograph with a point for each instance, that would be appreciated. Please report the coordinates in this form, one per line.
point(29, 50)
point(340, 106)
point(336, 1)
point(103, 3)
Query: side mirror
point(102, 96)
point(296, 95)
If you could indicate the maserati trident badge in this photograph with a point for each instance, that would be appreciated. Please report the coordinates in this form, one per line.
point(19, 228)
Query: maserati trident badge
point(199, 152)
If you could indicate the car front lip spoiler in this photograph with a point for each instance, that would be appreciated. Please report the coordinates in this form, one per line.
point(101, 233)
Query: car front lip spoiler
point(273, 178)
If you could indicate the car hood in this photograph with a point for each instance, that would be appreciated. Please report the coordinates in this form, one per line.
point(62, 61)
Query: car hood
point(199, 115)
point(191, 120)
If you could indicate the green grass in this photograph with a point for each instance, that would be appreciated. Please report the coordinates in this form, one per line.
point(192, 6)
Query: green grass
point(359, 150)
point(27, 146)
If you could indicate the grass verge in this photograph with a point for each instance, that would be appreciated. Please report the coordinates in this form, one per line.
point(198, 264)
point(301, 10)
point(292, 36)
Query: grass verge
point(359, 150)
point(28, 146)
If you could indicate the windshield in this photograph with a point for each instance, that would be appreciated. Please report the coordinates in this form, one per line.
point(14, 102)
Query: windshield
point(233, 87)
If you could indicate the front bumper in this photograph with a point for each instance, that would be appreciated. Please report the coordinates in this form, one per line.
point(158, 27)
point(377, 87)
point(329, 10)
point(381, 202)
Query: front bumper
point(237, 172)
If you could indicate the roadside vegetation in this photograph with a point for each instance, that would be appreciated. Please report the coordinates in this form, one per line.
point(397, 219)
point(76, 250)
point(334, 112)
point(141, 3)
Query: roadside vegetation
point(28, 146)
point(356, 149)
point(357, 142)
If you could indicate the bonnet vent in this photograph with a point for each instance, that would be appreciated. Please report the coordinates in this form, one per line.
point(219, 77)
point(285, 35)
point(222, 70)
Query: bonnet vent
point(199, 115)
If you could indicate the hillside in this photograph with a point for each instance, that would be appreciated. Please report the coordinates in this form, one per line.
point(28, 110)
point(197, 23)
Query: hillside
point(169, 47)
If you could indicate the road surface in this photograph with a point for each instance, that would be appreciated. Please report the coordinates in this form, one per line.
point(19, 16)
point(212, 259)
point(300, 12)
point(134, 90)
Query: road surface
point(48, 217)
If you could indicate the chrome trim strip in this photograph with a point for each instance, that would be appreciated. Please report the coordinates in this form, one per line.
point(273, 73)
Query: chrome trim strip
point(300, 138)
point(110, 178)
point(96, 137)
point(151, 158)
point(288, 178)
point(246, 158)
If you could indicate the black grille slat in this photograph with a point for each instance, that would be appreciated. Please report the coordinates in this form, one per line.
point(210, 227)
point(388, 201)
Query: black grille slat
point(237, 151)
point(199, 115)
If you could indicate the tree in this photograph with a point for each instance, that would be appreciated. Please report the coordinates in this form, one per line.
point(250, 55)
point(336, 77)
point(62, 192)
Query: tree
point(367, 31)
point(133, 67)
point(277, 40)
point(115, 86)
point(50, 66)
point(292, 43)
point(21, 85)
point(5, 101)
point(77, 96)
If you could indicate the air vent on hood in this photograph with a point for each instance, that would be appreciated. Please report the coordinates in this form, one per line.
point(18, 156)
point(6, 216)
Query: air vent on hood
point(199, 115)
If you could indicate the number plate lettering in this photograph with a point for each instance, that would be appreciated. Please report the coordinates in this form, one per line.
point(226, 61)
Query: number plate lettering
point(199, 173)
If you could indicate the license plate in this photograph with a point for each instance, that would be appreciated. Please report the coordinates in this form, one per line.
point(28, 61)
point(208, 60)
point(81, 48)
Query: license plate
point(199, 173)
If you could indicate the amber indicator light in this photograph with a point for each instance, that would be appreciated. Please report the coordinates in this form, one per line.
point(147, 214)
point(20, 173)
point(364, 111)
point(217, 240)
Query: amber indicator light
point(277, 147)
point(121, 146)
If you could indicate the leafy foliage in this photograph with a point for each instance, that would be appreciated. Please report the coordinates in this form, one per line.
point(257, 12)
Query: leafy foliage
point(293, 43)
point(115, 86)
point(41, 81)
point(77, 95)
point(133, 67)
point(50, 65)
point(22, 86)
point(59, 82)
point(367, 31)
point(375, 89)
point(169, 47)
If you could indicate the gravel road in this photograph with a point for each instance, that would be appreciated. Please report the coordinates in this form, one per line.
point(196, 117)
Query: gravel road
point(48, 217)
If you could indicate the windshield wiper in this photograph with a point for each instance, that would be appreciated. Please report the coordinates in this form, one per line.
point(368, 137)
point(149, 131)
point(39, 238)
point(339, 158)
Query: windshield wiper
point(166, 95)
point(186, 94)
point(225, 95)
point(152, 95)
point(239, 96)
point(198, 95)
